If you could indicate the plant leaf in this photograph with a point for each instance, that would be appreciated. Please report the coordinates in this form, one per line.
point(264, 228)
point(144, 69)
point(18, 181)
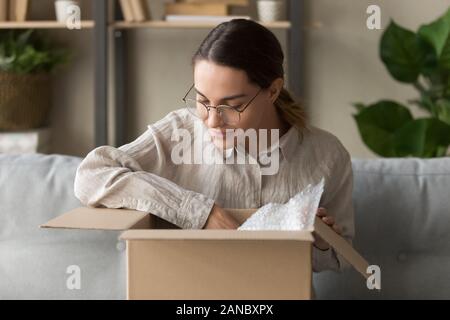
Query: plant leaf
point(28, 52)
point(425, 103)
point(444, 58)
point(423, 138)
point(443, 110)
point(402, 54)
point(377, 124)
point(24, 38)
point(442, 151)
point(437, 32)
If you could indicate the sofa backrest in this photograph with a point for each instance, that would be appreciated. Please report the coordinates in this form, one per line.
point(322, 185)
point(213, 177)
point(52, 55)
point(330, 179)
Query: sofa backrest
point(402, 222)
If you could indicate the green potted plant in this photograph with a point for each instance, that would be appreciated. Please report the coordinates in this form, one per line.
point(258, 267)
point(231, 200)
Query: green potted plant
point(421, 59)
point(26, 62)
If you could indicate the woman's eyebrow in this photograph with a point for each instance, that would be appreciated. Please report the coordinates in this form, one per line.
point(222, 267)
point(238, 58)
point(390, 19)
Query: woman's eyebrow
point(224, 98)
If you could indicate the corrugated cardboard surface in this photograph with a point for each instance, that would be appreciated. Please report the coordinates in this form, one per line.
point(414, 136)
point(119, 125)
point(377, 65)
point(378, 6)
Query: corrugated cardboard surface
point(98, 219)
point(219, 269)
point(218, 264)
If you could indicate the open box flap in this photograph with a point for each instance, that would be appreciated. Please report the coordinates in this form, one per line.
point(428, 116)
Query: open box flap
point(341, 246)
point(97, 219)
point(113, 219)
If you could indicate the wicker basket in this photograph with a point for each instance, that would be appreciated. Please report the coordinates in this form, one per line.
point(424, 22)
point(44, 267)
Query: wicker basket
point(25, 101)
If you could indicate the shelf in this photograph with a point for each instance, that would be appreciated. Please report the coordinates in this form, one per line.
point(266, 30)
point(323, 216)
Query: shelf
point(42, 24)
point(193, 25)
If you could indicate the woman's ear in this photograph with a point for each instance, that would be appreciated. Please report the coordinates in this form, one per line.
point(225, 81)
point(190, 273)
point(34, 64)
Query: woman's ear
point(275, 89)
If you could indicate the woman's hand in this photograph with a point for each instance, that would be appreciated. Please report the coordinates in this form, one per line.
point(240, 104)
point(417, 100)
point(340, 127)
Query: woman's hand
point(220, 219)
point(329, 220)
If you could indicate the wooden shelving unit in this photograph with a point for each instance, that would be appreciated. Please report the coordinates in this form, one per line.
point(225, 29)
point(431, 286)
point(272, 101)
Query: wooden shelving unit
point(89, 24)
point(42, 24)
point(101, 25)
point(193, 25)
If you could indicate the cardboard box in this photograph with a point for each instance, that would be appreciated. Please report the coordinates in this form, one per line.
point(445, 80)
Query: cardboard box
point(165, 262)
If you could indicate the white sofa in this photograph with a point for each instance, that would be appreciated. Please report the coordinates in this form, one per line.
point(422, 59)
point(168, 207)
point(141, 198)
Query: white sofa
point(402, 221)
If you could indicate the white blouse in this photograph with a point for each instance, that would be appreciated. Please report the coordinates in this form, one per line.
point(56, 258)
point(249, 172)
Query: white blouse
point(142, 176)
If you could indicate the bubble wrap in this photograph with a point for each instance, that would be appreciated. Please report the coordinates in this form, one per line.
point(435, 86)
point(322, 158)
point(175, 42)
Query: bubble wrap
point(296, 214)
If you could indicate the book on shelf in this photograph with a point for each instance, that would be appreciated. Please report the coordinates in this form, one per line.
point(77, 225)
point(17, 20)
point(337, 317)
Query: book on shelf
point(127, 10)
point(243, 3)
point(12, 10)
point(4, 10)
point(146, 9)
point(211, 9)
point(17, 10)
point(21, 10)
point(30, 141)
point(140, 10)
point(213, 19)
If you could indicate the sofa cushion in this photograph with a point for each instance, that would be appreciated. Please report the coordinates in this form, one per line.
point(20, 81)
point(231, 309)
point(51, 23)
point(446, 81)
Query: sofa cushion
point(402, 220)
point(34, 262)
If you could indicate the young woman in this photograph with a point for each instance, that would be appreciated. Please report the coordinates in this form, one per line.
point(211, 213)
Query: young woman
point(238, 84)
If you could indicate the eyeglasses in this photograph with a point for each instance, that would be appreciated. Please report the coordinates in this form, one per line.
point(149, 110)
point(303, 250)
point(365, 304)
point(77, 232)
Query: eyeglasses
point(230, 115)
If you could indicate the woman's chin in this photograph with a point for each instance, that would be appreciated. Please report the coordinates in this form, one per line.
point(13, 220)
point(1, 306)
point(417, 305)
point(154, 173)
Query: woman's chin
point(223, 144)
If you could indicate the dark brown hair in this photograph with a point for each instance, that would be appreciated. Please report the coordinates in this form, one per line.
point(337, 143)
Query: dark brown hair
point(249, 46)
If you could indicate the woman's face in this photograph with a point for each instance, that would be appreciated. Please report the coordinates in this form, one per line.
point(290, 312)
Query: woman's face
point(221, 85)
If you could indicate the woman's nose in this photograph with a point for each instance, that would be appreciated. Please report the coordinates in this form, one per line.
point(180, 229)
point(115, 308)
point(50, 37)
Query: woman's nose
point(214, 119)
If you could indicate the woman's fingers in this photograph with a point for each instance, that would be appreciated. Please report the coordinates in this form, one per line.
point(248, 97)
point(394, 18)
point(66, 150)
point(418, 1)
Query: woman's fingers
point(329, 220)
point(321, 212)
point(337, 229)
